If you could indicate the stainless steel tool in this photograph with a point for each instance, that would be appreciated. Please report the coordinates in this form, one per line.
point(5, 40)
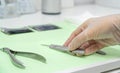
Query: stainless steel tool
point(18, 63)
point(81, 52)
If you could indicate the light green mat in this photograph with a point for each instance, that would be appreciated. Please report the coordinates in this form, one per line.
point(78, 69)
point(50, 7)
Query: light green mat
point(56, 61)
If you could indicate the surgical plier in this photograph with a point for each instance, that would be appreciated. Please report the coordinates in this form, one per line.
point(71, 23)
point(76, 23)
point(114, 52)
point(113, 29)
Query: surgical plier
point(18, 63)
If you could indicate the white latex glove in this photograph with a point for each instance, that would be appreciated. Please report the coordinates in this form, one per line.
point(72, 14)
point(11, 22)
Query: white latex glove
point(95, 34)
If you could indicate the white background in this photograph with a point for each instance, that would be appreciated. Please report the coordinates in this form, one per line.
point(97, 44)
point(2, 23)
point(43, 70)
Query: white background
point(78, 2)
point(71, 3)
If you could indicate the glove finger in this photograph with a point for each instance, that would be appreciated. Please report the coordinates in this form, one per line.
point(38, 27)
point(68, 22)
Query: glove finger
point(93, 48)
point(77, 31)
point(87, 44)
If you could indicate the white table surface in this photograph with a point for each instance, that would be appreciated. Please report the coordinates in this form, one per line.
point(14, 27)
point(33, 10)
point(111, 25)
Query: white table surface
point(78, 12)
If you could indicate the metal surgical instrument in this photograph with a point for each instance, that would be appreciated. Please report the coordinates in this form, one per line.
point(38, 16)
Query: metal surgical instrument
point(18, 63)
point(81, 52)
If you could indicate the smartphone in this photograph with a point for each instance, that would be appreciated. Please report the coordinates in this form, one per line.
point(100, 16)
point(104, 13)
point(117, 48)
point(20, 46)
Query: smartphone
point(11, 31)
point(45, 27)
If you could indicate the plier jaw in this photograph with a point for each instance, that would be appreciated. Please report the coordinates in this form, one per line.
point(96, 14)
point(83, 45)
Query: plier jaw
point(15, 61)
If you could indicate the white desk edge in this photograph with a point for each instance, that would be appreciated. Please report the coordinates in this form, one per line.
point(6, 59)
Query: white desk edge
point(95, 68)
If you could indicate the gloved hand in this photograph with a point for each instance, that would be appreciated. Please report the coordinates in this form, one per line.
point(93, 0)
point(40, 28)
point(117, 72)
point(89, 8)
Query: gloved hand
point(95, 34)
